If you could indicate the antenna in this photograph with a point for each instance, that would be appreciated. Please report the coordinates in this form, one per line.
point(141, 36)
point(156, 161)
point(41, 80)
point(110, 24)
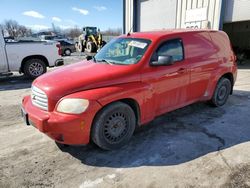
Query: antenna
point(128, 34)
point(131, 18)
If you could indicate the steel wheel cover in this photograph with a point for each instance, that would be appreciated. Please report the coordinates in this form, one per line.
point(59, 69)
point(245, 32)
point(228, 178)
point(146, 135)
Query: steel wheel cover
point(116, 127)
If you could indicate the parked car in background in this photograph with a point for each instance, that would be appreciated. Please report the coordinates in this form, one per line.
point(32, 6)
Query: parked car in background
point(30, 58)
point(130, 81)
point(9, 39)
point(51, 37)
point(67, 47)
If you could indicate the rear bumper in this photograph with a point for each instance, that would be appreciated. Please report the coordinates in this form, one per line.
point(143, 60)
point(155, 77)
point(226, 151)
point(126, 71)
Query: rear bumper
point(59, 62)
point(63, 128)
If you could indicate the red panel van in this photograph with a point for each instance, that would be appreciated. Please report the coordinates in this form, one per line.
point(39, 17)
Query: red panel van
point(129, 82)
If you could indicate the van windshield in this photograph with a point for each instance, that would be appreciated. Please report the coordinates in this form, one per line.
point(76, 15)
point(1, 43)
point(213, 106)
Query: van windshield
point(123, 51)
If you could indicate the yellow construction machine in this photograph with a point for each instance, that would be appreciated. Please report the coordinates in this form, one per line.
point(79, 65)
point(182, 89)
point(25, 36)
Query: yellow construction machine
point(90, 40)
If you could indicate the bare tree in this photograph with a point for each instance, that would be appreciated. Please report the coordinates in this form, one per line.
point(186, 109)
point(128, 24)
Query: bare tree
point(112, 32)
point(24, 31)
point(15, 30)
point(74, 32)
point(11, 27)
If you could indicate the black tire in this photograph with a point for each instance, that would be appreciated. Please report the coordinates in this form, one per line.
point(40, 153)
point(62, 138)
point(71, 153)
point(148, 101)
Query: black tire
point(34, 68)
point(76, 45)
point(104, 43)
point(67, 52)
point(80, 47)
point(113, 126)
point(222, 92)
point(100, 47)
point(90, 47)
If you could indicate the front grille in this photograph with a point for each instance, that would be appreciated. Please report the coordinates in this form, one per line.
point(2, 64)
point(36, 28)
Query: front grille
point(39, 98)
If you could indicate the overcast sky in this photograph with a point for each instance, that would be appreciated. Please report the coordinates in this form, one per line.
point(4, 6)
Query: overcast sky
point(40, 14)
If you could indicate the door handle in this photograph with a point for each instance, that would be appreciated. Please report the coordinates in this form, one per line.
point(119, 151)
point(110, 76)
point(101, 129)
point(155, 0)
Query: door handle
point(182, 71)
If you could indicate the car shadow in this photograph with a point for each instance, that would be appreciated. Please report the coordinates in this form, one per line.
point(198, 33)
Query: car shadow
point(177, 137)
point(14, 82)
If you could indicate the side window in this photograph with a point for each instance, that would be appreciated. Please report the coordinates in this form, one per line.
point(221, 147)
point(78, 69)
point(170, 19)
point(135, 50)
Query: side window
point(172, 48)
point(63, 43)
point(66, 43)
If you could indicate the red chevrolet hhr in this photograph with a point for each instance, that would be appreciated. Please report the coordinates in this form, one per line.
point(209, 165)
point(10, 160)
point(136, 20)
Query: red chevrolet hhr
point(129, 82)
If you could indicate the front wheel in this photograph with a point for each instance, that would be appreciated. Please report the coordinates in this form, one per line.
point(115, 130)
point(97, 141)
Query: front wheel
point(103, 43)
point(34, 68)
point(90, 47)
point(222, 92)
point(113, 126)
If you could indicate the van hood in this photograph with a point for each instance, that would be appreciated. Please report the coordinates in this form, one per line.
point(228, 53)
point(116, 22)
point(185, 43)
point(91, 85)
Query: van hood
point(82, 76)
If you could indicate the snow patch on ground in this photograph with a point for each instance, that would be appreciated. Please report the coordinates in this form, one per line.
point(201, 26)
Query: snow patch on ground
point(92, 183)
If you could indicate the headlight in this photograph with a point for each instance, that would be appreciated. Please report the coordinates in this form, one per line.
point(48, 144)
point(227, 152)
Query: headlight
point(73, 106)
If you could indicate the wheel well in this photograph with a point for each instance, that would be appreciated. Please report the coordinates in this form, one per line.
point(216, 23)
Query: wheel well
point(135, 106)
point(231, 78)
point(132, 103)
point(44, 59)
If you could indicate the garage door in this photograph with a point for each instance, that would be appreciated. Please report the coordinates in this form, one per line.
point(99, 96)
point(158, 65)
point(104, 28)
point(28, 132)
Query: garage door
point(239, 33)
point(237, 10)
point(155, 14)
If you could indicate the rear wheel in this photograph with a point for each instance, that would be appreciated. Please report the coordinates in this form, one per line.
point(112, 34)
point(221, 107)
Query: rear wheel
point(76, 45)
point(90, 47)
point(67, 52)
point(221, 92)
point(113, 127)
point(34, 68)
point(80, 47)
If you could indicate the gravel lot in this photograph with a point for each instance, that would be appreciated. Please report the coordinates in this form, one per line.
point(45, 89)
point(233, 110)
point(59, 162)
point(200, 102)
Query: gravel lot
point(196, 146)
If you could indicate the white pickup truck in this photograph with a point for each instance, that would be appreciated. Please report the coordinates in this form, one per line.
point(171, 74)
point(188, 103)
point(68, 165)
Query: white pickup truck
point(30, 58)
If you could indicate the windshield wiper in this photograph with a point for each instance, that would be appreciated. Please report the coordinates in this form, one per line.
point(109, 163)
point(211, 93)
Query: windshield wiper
point(105, 61)
point(88, 58)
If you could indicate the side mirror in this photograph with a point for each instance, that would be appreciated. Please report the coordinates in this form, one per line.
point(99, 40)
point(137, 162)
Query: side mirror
point(89, 57)
point(163, 60)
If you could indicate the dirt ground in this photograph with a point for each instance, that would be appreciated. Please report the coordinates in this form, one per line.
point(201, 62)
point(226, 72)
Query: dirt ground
point(196, 146)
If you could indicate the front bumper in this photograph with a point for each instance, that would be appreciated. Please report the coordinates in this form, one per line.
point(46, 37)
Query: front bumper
point(63, 128)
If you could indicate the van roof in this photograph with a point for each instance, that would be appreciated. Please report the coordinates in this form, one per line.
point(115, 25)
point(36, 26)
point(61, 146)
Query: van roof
point(161, 33)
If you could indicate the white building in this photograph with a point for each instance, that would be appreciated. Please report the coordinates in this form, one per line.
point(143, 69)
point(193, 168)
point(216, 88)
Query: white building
point(232, 16)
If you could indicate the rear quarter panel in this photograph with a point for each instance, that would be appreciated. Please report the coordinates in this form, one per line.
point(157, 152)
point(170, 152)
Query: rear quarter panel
point(202, 58)
point(210, 56)
point(226, 59)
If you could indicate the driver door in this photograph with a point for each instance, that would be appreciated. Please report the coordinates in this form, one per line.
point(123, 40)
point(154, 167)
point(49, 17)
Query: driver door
point(170, 82)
